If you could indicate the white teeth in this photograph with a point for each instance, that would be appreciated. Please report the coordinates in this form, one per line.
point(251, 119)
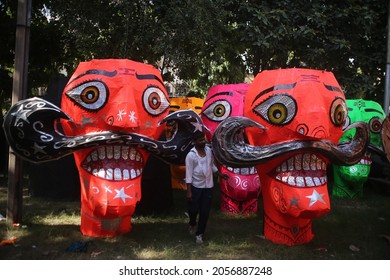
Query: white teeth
point(102, 153)
point(313, 162)
point(110, 152)
point(298, 162)
point(101, 173)
point(319, 165)
point(125, 152)
point(309, 182)
point(365, 161)
point(242, 171)
point(300, 182)
point(113, 153)
point(291, 181)
point(126, 174)
point(132, 154)
point(109, 174)
point(94, 156)
point(290, 163)
point(307, 162)
point(284, 166)
point(117, 174)
point(117, 152)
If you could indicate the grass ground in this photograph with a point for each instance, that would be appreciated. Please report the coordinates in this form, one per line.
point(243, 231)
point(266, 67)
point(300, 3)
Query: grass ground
point(353, 230)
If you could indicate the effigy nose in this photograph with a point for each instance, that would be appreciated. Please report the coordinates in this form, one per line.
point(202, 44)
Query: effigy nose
point(319, 131)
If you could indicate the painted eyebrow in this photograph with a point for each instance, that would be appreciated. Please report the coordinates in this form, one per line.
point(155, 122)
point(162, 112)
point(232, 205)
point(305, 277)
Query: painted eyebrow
point(332, 88)
point(229, 93)
point(373, 110)
point(222, 93)
point(148, 77)
point(276, 87)
point(95, 72)
point(114, 73)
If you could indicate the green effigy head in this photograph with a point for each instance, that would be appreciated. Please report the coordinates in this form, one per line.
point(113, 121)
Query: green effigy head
point(349, 180)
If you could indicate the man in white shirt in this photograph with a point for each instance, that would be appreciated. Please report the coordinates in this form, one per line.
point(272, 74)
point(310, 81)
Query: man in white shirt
point(199, 180)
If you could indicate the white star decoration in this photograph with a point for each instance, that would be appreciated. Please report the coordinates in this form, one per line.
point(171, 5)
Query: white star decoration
point(39, 149)
point(314, 197)
point(121, 194)
point(120, 114)
point(107, 189)
point(198, 126)
point(132, 116)
point(21, 114)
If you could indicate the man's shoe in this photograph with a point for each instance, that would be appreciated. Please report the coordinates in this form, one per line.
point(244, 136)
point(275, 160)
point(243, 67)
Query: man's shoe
point(199, 239)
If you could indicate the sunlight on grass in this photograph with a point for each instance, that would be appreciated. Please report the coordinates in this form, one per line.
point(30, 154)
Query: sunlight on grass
point(10, 232)
point(176, 252)
point(160, 219)
point(152, 254)
point(57, 219)
point(49, 227)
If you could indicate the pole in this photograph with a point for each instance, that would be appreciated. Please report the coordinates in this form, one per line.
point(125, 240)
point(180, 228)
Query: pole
point(387, 81)
point(19, 91)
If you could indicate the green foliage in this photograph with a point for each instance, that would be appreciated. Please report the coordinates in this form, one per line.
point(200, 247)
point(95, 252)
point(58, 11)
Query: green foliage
point(7, 31)
point(345, 37)
point(205, 42)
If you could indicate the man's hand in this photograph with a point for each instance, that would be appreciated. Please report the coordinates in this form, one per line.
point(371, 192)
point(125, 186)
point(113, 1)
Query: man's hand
point(189, 192)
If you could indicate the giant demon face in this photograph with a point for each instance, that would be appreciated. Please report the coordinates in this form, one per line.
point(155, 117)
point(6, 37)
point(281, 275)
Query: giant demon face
point(349, 180)
point(239, 193)
point(386, 137)
point(293, 119)
point(112, 115)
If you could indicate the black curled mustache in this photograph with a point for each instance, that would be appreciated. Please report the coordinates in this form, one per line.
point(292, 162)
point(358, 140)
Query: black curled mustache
point(230, 147)
point(30, 128)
